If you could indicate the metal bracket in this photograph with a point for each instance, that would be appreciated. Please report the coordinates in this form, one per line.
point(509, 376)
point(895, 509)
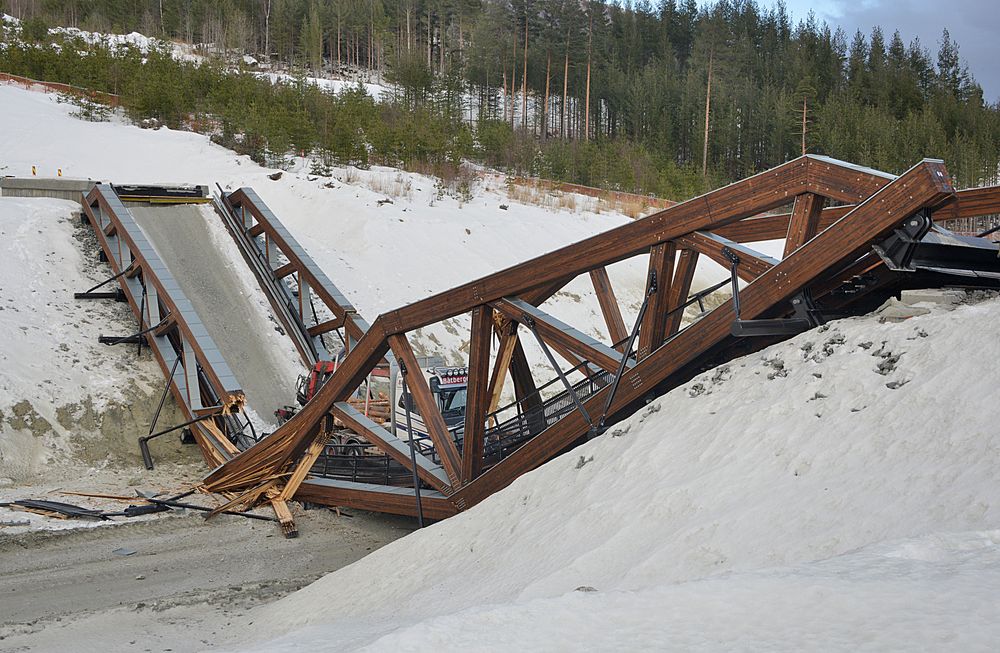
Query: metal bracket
point(897, 250)
point(806, 315)
point(529, 322)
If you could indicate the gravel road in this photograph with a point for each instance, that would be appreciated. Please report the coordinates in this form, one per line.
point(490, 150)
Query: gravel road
point(188, 586)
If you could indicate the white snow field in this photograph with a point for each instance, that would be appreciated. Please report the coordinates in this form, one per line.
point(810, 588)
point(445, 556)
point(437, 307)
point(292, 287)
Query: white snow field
point(837, 491)
point(53, 372)
point(696, 523)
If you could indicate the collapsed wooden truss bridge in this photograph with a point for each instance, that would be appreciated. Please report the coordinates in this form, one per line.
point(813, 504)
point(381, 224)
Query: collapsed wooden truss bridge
point(853, 237)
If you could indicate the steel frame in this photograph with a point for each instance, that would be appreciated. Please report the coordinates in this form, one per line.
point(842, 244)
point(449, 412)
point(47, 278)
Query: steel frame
point(202, 383)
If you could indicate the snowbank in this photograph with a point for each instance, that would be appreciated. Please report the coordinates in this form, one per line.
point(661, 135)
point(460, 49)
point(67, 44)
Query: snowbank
point(933, 592)
point(851, 434)
point(58, 386)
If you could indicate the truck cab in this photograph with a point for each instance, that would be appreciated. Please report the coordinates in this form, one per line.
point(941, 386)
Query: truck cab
point(448, 385)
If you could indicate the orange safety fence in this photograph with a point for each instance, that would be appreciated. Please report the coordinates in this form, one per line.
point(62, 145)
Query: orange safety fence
point(97, 96)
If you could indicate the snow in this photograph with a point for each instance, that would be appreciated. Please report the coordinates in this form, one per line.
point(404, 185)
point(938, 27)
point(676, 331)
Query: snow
point(380, 256)
point(842, 438)
point(50, 352)
point(836, 491)
point(377, 91)
point(930, 592)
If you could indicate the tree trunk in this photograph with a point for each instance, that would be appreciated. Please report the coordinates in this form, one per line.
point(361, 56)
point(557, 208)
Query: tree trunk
point(545, 105)
point(505, 92)
point(805, 108)
point(708, 106)
point(340, 60)
point(513, 82)
point(524, 77)
point(562, 109)
point(586, 114)
point(409, 36)
point(430, 40)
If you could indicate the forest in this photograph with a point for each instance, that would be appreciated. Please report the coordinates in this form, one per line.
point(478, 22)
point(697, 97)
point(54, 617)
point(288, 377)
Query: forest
point(670, 99)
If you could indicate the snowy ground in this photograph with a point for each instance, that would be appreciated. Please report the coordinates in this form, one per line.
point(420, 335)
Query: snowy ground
point(62, 394)
point(696, 522)
point(380, 256)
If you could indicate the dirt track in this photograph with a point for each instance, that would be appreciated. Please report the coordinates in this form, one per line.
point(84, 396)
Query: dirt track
point(187, 587)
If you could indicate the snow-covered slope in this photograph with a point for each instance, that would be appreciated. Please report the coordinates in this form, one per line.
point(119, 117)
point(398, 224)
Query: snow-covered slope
point(58, 386)
point(851, 434)
point(380, 256)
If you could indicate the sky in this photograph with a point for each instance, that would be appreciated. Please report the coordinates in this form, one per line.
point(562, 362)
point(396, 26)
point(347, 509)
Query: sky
point(974, 24)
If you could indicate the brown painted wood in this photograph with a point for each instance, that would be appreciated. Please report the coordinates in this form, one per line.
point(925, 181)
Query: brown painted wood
point(970, 203)
point(652, 331)
point(303, 466)
point(680, 288)
point(525, 390)
point(285, 270)
point(966, 203)
point(375, 497)
point(507, 333)
point(752, 264)
point(429, 411)
point(339, 305)
point(477, 394)
point(609, 306)
point(925, 185)
point(556, 332)
point(742, 199)
point(325, 327)
point(274, 453)
point(804, 224)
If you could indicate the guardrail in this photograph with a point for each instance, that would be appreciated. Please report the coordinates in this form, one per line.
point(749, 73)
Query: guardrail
point(290, 278)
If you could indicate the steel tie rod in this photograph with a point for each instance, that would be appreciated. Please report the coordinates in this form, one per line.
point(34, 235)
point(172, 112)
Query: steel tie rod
point(529, 322)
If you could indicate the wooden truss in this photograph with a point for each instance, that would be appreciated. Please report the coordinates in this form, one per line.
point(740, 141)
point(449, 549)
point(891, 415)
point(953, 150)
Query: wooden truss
point(838, 212)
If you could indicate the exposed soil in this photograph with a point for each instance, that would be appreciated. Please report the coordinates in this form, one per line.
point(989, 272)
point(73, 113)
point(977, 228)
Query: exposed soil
point(187, 586)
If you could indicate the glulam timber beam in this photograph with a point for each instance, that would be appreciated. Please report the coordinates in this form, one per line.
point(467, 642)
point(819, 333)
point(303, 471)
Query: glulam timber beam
point(478, 393)
point(804, 223)
point(752, 264)
point(653, 329)
point(424, 400)
point(429, 472)
point(680, 288)
point(554, 330)
point(925, 185)
point(609, 306)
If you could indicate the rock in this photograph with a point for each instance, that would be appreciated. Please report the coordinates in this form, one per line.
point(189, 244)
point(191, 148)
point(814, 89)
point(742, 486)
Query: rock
point(940, 296)
point(6, 482)
point(894, 310)
point(275, 176)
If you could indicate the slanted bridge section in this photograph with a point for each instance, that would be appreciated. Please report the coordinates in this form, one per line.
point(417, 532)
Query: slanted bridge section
point(854, 235)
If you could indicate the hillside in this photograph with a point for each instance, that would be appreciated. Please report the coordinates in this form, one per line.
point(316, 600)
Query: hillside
point(836, 488)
